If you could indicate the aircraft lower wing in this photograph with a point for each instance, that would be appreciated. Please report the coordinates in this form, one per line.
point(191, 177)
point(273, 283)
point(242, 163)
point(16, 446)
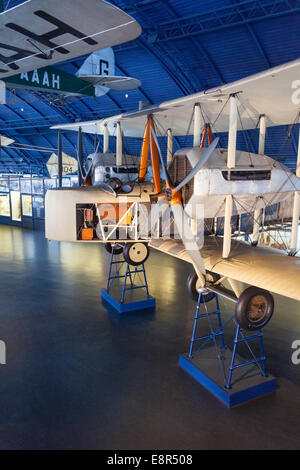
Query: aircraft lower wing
point(113, 82)
point(261, 267)
point(42, 32)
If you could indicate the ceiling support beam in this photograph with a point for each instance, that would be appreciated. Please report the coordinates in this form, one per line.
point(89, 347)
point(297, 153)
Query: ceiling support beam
point(245, 12)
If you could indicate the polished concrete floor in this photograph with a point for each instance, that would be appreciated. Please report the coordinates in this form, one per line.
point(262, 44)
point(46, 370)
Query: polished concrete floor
point(79, 377)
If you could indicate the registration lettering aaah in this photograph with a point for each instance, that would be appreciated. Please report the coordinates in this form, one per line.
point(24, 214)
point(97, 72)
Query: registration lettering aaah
point(42, 78)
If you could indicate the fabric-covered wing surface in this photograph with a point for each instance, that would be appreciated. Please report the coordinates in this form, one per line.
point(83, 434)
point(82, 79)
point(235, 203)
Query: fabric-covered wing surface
point(42, 32)
point(274, 92)
point(261, 267)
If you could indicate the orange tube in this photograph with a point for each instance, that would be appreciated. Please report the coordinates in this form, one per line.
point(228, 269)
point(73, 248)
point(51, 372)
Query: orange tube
point(154, 158)
point(144, 154)
point(210, 136)
point(203, 138)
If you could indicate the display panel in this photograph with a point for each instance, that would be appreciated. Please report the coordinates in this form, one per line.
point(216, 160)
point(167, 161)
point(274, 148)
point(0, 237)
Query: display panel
point(4, 185)
point(4, 205)
point(38, 207)
point(37, 186)
point(14, 183)
point(25, 184)
point(49, 183)
point(15, 198)
point(66, 182)
point(27, 205)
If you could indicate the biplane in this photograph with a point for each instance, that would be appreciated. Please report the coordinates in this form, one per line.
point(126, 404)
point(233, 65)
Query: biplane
point(226, 183)
point(37, 34)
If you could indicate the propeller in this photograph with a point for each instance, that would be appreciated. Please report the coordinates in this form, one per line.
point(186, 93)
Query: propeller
point(172, 198)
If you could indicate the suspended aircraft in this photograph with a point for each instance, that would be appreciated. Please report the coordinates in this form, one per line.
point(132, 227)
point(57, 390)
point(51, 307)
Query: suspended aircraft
point(69, 165)
point(224, 182)
point(95, 77)
point(37, 34)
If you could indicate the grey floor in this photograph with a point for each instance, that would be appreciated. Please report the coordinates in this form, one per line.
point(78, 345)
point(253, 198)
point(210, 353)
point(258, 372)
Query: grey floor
point(79, 377)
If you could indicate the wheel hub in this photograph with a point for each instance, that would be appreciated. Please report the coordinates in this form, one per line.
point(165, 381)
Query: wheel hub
point(257, 308)
point(138, 252)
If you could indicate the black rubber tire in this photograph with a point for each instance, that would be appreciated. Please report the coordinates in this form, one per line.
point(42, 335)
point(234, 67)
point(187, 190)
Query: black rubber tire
point(242, 314)
point(192, 290)
point(126, 253)
point(118, 249)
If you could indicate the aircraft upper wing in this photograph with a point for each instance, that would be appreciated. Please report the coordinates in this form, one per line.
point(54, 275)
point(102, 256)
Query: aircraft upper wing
point(43, 32)
point(274, 92)
point(266, 268)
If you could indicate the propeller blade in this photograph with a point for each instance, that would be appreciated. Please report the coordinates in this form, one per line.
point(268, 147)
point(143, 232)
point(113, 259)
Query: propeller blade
point(88, 169)
point(106, 188)
point(157, 211)
point(187, 237)
point(205, 156)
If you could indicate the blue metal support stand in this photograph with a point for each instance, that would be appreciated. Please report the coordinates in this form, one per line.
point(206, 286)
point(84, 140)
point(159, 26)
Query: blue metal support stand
point(250, 379)
point(259, 361)
point(129, 300)
point(213, 334)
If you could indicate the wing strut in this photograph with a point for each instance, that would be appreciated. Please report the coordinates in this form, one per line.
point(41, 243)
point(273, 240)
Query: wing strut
point(231, 157)
point(149, 142)
point(170, 146)
point(105, 139)
point(154, 156)
point(296, 210)
point(119, 153)
point(206, 133)
point(144, 154)
point(259, 213)
point(81, 173)
point(59, 161)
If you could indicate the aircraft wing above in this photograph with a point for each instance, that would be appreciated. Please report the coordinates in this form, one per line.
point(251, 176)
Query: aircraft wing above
point(114, 82)
point(42, 32)
point(261, 267)
point(5, 141)
point(274, 92)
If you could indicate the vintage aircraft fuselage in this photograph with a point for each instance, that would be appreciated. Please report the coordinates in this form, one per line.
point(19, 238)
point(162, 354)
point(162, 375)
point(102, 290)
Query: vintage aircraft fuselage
point(256, 182)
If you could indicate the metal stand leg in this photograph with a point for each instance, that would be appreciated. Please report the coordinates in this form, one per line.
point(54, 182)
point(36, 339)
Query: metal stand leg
point(195, 327)
point(112, 263)
point(259, 362)
point(213, 334)
point(131, 273)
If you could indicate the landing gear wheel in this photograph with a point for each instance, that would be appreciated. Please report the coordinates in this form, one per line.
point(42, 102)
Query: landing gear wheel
point(113, 246)
point(254, 308)
point(136, 253)
point(193, 286)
